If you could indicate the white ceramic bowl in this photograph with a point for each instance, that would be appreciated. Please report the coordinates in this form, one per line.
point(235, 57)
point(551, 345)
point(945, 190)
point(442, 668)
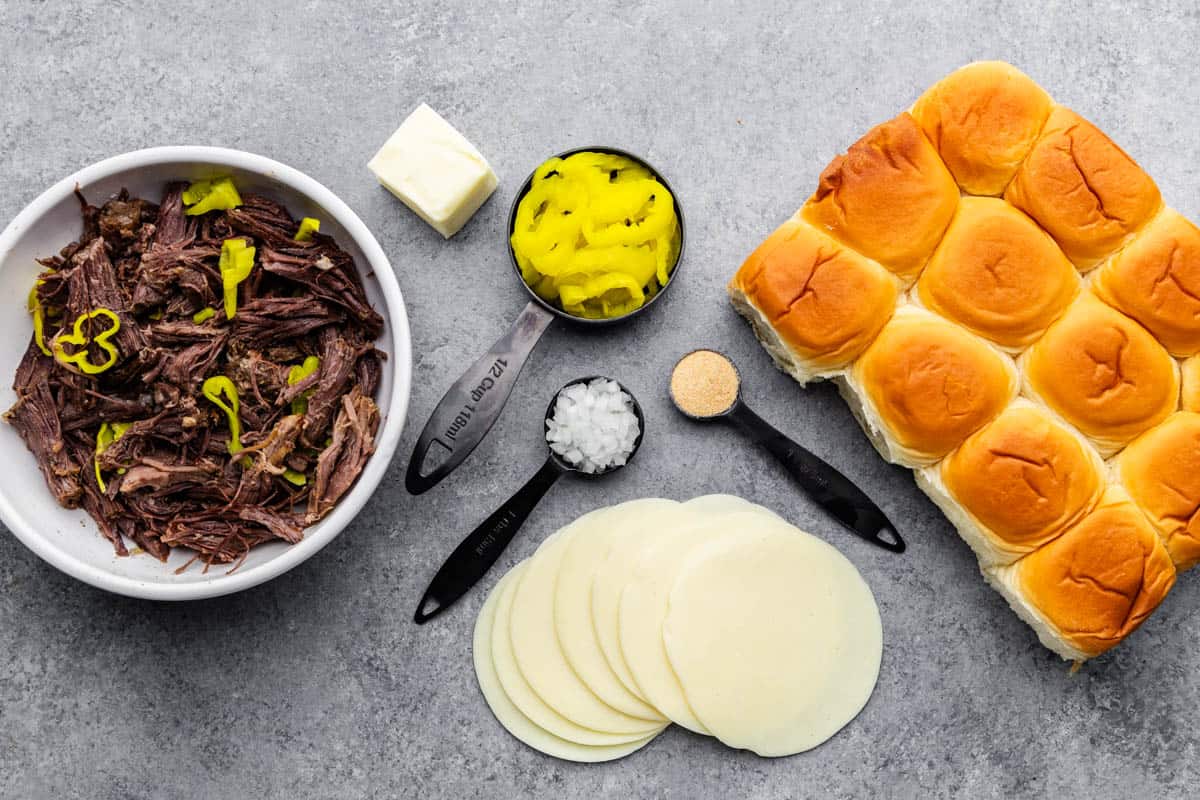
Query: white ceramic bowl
point(68, 538)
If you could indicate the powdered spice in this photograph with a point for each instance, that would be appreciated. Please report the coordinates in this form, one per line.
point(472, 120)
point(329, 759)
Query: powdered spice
point(704, 384)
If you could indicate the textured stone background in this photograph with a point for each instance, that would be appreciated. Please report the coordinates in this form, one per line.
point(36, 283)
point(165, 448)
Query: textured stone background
point(318, 684)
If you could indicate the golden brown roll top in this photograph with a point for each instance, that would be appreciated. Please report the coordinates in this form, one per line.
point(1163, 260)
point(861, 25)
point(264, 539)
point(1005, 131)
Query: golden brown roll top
point(1083, 189)
point(1161, 471)
point(1103, 373)
point(890, 197)
point(812, 299)
point(924, 385)
point(983, 119)
point(1156, 280)
point(1095, 584)
point(1021, 480)
point(998, 274)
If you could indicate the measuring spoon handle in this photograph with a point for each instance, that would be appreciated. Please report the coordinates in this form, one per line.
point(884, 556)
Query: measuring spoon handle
point(829, 488)
point(473, 404)
point(475, 554)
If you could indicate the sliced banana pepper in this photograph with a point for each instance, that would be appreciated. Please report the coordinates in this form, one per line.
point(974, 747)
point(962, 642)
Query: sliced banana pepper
point(220, 391)
point(80, 359)
point(236, 262)
point(596, 234)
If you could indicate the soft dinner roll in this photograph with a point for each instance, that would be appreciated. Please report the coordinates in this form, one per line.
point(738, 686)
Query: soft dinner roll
point(1156, 280)
point(925, 385)
point(1161, 471)
point(998, 274)
point(889, 197)
point(1083, 189)
point(814, 303)
point(1092, 586)
point(983, 119)
point(1016, 484)
point(1190, 381)
point(1103, 373)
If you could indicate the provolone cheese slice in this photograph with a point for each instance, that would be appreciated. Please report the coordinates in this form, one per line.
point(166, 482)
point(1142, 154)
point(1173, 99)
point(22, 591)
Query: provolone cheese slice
point(609, 581)
point(573, 600)
point(538, 654)
point(508, 714)
point(518, 689)
point(723, 504)
point(645, 599)
point(776, 641)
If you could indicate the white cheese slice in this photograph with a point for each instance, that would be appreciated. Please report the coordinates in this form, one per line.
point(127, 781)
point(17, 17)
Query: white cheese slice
point(517, 689)
point(434, 170)
point(646, 596)
point(508, 714)
point(573, 599)
point(775, 638)
point(537, 651)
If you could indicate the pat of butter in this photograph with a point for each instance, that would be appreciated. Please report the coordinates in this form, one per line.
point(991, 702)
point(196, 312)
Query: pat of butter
point(434, 170)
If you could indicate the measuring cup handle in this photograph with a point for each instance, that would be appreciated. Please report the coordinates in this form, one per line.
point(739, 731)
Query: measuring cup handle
point(473, 404)
point(830, 489)
point(476, 554)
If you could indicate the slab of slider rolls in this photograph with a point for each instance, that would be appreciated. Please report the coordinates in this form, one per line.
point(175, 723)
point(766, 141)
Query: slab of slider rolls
point(1010, 310)
point(715, 614)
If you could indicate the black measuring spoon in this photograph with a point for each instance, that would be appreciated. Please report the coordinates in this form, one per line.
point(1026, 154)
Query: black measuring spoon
point(476, 554)
point(472, 405)
point(827, 487)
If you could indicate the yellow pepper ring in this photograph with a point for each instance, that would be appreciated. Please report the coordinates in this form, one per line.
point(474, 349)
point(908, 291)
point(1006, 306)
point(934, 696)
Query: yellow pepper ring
point(80, 360)
point(597, 235)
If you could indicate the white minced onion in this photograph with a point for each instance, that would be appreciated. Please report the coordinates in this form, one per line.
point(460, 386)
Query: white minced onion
point(593, 427)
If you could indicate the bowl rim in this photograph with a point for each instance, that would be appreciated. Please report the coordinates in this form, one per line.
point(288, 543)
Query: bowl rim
point(396, 316)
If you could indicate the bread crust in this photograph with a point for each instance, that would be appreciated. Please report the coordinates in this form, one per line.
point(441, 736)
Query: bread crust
point(1103, 373)
point(1084, 189)
point(1161, 471)
point(927, 385)
point(823, 302)
point(998, 274)
point(983, 119)
point(1156, 280)
point(1096, 583)
point(890, 197)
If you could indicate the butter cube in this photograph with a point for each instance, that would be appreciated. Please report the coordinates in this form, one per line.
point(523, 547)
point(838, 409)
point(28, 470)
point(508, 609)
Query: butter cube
point(434, 171)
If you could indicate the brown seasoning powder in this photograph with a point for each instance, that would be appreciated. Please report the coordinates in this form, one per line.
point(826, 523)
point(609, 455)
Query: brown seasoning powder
point(704, 383)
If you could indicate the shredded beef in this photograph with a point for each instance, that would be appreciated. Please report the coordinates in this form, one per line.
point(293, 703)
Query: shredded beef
point(173, 477)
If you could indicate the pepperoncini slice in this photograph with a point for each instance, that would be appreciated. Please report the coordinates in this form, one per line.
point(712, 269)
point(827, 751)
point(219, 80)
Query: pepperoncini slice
point(204, 314)
point(602, 296)
point(237, 259)
point(34, 304)
point(80, 359)
point(298, 373)
point(218, 194)
point(109, 432)
point(597, 234)
point(213, 389)
point(295, 478)
point(308, 226)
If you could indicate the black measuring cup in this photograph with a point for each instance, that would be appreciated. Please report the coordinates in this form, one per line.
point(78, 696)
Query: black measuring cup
point(472, 405)
point(476, 554)
point(822, 482)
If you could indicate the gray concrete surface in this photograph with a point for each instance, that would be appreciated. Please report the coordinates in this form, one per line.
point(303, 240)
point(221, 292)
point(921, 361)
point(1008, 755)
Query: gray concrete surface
point(318, 684)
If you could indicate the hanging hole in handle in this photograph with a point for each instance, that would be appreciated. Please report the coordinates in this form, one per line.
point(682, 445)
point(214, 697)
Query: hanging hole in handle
point(434, 457)
point(889, 539)
point(427, 609)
